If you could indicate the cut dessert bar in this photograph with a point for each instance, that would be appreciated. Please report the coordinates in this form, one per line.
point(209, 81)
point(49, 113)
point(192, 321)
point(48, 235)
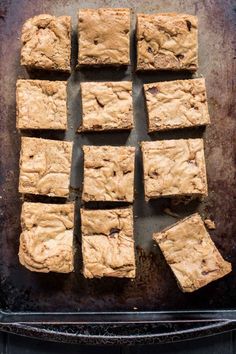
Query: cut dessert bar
point(167, 41)
point(46, 241)
point(106, 106)
point(174, 167)
point(41, 104)
point(46, 43)
point(108, 173)
point(104, 36)
point(108, 243)
point(191, 254)
point(45, 167)
point(176, 104)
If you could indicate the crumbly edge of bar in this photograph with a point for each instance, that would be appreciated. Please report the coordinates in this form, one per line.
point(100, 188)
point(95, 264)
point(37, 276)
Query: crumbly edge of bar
point(174, 225)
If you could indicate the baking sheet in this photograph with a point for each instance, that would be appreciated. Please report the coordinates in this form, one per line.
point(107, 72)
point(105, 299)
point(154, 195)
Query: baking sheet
point(154, 288)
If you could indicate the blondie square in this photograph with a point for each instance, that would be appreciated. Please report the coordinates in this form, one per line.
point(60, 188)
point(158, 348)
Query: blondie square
point(41, 104)
point(108, 173)
point(174, 167)
point(108, 243)
point(104, 36)
point(191, 254)
point(167, 41)
point(46, 43)
point(45, 167)
point(176, 104)
point(106, 106)
point(46, 241)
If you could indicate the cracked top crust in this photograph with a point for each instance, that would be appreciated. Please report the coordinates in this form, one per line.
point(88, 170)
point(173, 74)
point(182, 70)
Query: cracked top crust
point(108, 173)
point(46, 241)
point(167, 41)
point(176, 104)
point(46, 42)
point(104, 36)
point(45, 166)
point(107, 243)
point(41, 104)
point(106, 105)
point(174, 167)
point(191, 254)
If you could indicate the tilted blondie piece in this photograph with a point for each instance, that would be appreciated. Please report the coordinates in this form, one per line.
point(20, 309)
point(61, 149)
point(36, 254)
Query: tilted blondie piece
point(174, 167)
point(191, 254)
point(46, 43)
point(108, 173)
point(104, 36)
point(46, 241)
point(176, 104)
point(167, 41)
point(41, 104)
point(106, 106)
point(45, 167)
point(108, 243)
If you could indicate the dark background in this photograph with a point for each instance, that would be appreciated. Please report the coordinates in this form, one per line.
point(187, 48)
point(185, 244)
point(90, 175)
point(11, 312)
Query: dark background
point(220, 344)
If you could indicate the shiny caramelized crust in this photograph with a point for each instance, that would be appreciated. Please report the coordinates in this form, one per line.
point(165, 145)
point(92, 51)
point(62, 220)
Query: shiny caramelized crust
point(106, 106)
point(108, 173)
point(176, 104)
point(45, 167)
point(174, 167)
point(167, 41)
point(46, 42)
point(46, 241)
point(104, 36)
point(107, 243)
point(191, 254)
point(41, 104)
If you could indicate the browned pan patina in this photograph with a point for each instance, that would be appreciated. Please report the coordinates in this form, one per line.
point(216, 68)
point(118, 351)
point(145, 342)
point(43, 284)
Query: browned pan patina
point(154, 288)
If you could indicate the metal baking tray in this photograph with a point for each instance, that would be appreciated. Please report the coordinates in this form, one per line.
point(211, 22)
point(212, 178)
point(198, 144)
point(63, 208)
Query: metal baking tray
point(151, 308)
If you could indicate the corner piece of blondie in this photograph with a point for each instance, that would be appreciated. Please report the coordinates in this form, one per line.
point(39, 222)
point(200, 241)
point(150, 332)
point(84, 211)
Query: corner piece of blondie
point(46, 241)
point(191, 253)
point(46, 43)
point(167, 41)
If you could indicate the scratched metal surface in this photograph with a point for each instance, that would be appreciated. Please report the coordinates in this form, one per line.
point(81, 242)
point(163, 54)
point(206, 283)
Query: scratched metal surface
point(154, 287)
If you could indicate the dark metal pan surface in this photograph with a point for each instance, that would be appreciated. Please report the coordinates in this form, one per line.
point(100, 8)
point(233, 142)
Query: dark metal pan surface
point(154, 289)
